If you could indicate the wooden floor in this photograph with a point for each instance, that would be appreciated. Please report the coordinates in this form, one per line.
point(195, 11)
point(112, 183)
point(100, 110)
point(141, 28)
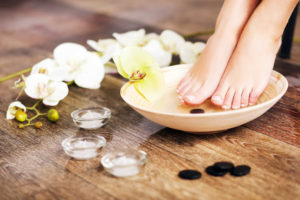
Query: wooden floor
point(34, 166)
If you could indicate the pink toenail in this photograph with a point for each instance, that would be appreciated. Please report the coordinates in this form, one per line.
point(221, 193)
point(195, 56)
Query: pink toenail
point(235, 107)
point(243, 105)
point(217, 99)
point(190, 98)
point(225, 107)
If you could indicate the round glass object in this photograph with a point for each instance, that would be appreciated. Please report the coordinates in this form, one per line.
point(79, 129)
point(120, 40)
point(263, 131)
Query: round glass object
point(124, 163)
point(91, 118)
point(83, 147)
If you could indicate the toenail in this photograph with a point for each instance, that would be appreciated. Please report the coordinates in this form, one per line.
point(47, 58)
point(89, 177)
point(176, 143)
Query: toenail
point(251, 104)
point(225, 107)
point(243, 105)
point(235, 107)
point(217, 99)
point(190, 98)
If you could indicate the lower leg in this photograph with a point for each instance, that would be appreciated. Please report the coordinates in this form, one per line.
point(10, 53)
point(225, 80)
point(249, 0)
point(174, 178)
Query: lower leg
point(251, 63)
point(203, 78)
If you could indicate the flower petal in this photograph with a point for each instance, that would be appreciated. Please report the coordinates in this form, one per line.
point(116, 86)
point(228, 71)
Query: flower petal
point(150, 36)
point(57, 92)
point(162, 57)
point(110, 68)
point(50, 68)
point(135, 58)
point(172, 41)
point(66, 52)
point(91, 73)
point(187, 53)
point(120, 69)
point(130, 38)
point(12, 109)
point(36, 86)
point(152, 87)
point(110, 52)
point(93, 44)
point(198, 47)
point(70, 56)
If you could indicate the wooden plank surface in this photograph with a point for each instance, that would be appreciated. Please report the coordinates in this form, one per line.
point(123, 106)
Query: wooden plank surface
point(34, 166)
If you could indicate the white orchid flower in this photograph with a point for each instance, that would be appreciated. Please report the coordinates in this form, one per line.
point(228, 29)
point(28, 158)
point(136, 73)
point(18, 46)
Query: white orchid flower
point(161, 56)
point(130, 38)
point(39, 86)
point(12, 109)
point(50, 68)
point(109, 48)
point(172, 41)
point(84, 67)
point(90, 74)
point(190, 51)
point(150, 36)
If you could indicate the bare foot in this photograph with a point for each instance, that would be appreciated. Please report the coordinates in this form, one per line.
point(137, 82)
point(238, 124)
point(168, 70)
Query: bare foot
point(248, 71)
point(202, 80)
point(250, 66)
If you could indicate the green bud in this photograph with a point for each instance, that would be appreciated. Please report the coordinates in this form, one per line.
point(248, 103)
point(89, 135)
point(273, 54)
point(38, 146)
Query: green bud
point(21, 116)
point(53, 115)
point(21, 126)
point(38, 125)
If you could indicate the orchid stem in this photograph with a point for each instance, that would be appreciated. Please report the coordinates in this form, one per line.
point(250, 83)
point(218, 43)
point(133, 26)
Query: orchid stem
point(70, 83)
point(200, 33)
point(38, 113)
point(15, 74)
point(110, 64)
point(297, 40)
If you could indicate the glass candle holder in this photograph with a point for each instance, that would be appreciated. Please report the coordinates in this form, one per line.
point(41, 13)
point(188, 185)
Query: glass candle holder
point(83, 147)
point(91, 118)
point(124, 163)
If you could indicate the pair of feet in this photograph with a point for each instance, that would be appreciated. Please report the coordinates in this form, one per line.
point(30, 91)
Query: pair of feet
point(232, 71)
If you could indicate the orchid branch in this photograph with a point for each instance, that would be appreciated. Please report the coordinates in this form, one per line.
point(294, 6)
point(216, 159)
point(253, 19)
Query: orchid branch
point(8, 77)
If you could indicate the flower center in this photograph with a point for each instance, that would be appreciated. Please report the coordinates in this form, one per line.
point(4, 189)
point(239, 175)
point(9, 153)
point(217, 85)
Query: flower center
point(42, 90)
point(42, 71)
point(74, 64)
point(137, 75)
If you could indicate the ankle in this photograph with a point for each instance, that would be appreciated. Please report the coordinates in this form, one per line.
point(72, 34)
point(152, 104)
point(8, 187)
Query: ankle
point(224, 37)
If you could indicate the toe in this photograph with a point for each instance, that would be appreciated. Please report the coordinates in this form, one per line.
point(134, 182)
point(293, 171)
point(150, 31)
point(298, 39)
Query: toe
point(196, 97)
point(219, 95)
point(228, 99)
point(256, 92)
point(245, 97)
point(182, 84)
point(236, 103)
point(184, 90)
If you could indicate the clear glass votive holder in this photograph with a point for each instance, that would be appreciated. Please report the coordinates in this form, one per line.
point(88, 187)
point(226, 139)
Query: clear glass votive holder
point(83, 147)
point(91, 118)
point(124, 163)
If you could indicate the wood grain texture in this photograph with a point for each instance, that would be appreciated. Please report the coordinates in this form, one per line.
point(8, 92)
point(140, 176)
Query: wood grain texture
point(34, 166)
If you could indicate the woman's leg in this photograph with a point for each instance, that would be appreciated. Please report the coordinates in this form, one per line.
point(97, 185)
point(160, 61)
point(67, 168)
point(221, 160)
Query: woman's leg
point(250, 66)
point(202, 80)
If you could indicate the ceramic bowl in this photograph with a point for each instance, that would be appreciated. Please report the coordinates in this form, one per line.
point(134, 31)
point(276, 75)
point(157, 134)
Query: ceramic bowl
point(168, 111)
